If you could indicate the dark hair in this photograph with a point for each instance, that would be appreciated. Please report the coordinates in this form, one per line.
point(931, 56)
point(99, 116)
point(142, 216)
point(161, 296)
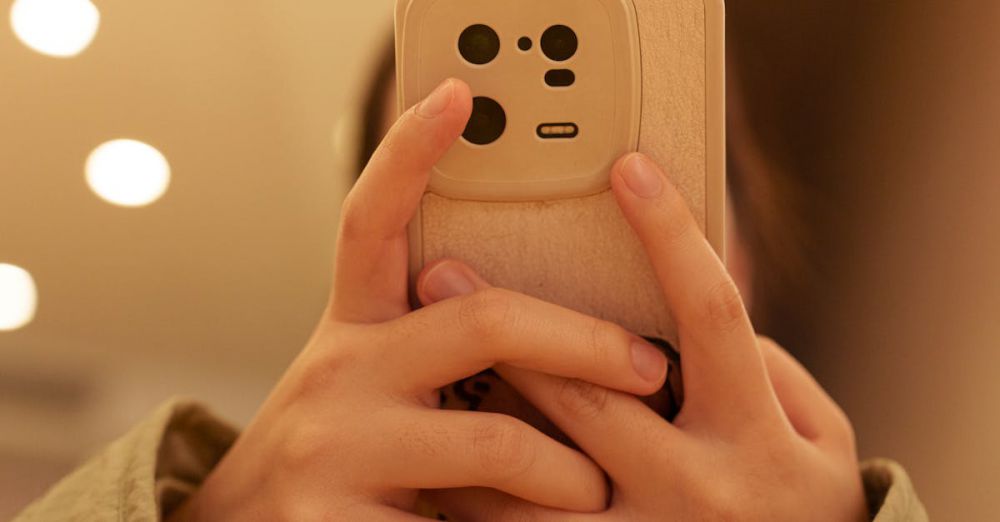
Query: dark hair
point(374, 106)
point(768, 204)
point(765, 199)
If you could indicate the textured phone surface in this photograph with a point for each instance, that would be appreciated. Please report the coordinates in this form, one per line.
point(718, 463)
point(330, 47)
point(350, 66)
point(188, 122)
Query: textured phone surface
point(580, 252)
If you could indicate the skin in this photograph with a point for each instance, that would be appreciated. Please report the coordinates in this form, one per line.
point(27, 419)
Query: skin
point(353, 430)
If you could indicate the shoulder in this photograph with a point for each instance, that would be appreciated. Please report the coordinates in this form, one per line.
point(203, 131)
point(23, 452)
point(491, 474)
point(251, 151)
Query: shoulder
point(152, 467)
point(890, 492)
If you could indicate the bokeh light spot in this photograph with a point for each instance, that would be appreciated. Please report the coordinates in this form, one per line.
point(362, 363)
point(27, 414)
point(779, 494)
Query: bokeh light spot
point(128, 173)
point(18, 298)
point(60, 28)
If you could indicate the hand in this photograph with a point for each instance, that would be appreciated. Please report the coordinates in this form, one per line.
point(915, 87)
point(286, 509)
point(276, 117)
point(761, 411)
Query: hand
point(352, 431)
point(757, 438)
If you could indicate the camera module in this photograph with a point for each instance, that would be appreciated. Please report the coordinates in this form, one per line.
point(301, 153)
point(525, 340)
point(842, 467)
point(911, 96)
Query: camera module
point(479, 44)
point(559, 43)
point(488, 121)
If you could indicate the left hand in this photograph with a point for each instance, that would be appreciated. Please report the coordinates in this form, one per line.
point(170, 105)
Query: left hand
point(757, 438)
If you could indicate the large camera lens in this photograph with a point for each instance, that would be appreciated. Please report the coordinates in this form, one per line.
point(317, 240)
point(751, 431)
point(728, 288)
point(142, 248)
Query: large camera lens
point(488, 121)
point(559, 43)
point(479, 44)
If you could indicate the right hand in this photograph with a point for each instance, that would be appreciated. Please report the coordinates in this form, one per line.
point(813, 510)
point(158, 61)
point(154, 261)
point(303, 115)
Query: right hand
point(353, 429)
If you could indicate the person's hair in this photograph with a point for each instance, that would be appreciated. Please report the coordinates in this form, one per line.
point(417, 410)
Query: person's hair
point(374, 103)
point(768, 207)
point(765, 199)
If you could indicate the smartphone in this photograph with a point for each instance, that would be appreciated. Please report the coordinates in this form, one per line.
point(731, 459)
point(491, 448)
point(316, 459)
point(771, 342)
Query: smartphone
point(562, 89)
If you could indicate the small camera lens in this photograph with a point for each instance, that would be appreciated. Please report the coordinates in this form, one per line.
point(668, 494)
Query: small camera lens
point(479, 44)
point(488, 121)
point(559, 43)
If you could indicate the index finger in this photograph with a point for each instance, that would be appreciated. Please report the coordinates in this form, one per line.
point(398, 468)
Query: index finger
point(454, 338)
point(370, 277)
point(723, 367)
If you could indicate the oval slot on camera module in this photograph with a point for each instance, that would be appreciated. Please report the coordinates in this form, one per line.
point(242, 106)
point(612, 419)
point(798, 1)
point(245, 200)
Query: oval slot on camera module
point(560, 78)
point(558, 131)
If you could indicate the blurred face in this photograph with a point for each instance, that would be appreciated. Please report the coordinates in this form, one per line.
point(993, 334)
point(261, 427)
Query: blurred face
point(487, 392)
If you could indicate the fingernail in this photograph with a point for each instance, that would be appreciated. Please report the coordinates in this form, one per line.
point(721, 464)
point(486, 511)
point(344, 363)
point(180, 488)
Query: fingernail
point(438, 101)
point(445, 281)
point(641, 177)
point(649, 363)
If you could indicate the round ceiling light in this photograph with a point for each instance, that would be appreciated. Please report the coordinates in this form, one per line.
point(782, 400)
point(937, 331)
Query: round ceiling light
point(128, 173)
point(18, 298)
point(60, 28)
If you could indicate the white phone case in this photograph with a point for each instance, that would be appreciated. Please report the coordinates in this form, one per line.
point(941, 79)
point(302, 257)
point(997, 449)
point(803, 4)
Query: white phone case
point(545, 223)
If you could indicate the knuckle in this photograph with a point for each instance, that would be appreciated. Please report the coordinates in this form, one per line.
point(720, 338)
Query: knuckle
point(302, 446)
point(502, 447)
point(321, 368)
point(724, 308)
point(320, 375)
point(315, 380)
point(426, 440)
point(602, 338)
point(581, 399)
point(489, 313)
point(723, 502)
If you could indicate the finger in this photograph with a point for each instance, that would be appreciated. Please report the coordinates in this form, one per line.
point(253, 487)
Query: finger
point(490, 505)
point(457, 338)
point(723, 370)
point(623, 435)
point(813, 414)
point(439, 449)
point(370, 280)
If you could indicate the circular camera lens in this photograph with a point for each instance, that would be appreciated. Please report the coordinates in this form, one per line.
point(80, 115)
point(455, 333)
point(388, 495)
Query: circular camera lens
point(479, 44)
point(559, 43)
point(488, 121)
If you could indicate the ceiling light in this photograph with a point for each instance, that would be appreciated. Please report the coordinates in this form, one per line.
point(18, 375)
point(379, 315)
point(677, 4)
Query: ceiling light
point(18, 298)
point(61, 28)
point(128, 173)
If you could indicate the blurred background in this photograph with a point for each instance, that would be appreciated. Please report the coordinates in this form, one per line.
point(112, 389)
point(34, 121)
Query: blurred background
point(206, 277)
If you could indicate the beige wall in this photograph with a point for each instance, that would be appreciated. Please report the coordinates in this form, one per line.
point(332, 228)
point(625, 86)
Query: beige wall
point(887, 113)
point(210, 291)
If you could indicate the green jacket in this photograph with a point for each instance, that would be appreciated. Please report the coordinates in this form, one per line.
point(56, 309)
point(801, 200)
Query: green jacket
point(152, 469)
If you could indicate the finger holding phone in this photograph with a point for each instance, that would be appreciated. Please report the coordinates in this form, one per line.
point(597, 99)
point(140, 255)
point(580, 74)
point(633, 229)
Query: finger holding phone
point(353, 430)
point(757, 438)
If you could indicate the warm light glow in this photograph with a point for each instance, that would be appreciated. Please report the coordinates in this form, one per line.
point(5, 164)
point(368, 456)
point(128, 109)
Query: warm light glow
point(18, 298)
point(61, 28)
point(128, 173)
